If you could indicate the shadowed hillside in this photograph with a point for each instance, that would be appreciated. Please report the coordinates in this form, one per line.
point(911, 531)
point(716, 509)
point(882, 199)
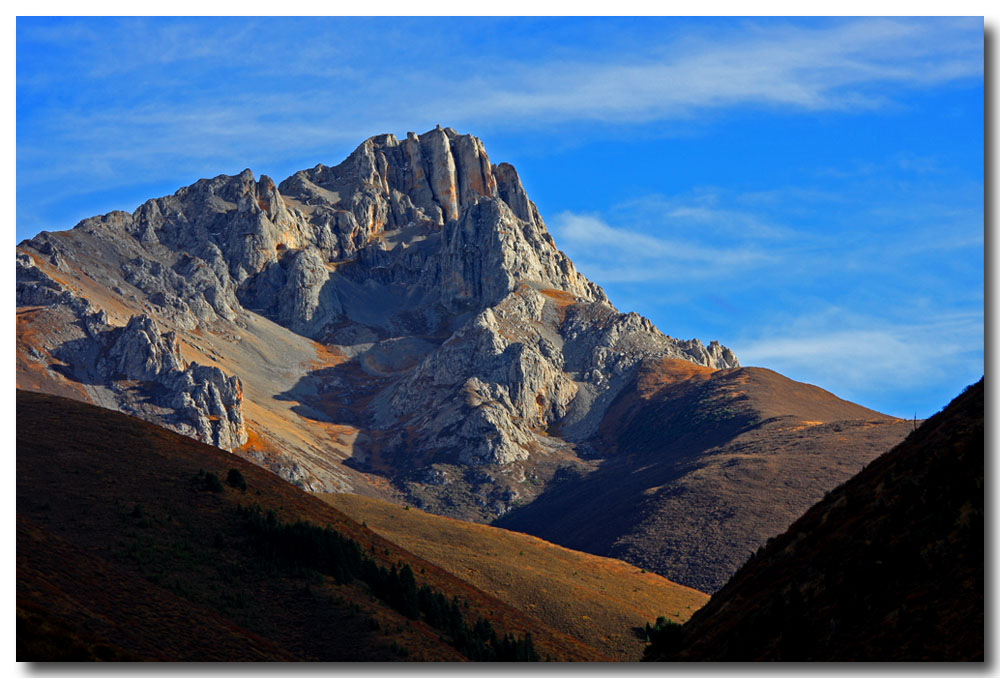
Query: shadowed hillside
point(136, 542)
point(703, 466)
point(888, 567)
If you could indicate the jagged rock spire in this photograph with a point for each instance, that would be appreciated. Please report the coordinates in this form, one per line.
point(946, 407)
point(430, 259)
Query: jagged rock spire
point(423, 238)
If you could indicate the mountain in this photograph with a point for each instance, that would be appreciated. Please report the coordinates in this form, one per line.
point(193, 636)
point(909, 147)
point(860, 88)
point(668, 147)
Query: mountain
point(887, 567)
point(127, 550)
point(402, 326)
point(413, 289)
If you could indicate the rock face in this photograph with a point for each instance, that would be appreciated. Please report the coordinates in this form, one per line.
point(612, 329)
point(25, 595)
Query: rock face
point(471, 341)
point(139, 351)
point(141, 366)
point(207, 403)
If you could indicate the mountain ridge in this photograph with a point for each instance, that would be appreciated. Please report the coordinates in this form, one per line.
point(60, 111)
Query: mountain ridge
point(402, 326)
point(403, 245)
point(703, 467)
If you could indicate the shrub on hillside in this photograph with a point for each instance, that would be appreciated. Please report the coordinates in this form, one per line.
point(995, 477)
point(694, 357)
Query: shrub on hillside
point(236, 479)
point(301, 547)
point(212, 483)
point(664, 637)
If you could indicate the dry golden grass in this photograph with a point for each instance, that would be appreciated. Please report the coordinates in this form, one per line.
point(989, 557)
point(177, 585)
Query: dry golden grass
point(560, 297)
point(327, 356)
point(666, 372)
point(597, 600)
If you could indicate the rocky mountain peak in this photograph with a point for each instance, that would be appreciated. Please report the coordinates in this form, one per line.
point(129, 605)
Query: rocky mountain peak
point(419, 260)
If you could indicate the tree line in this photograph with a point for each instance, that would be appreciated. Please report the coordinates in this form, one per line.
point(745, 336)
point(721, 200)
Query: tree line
point(302, 546)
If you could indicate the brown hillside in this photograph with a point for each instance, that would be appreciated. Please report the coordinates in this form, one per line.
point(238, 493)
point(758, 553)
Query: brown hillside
point(770, 394)
point(59, 581)
point(120, 542)
point(600, 601)
point(888, 567)
point(706, 465)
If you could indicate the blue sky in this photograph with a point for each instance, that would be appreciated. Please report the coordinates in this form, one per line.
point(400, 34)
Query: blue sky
point(809, 192)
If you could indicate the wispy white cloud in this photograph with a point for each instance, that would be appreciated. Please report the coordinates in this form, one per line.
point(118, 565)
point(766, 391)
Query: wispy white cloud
point(791, 236)
point(202, 96)
point(863, 356)
point(830, 67)
point(875, 306)
point(257, 74)
point(788, 194)
point(707, 211)
point(621, 255)
point(906, 163)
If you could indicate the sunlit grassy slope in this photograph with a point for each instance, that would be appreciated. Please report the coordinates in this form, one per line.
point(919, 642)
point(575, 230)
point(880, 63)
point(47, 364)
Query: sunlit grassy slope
point(601, 601)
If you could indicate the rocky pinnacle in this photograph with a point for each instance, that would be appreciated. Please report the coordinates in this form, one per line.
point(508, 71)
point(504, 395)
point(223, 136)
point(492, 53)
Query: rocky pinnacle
point(419, 260)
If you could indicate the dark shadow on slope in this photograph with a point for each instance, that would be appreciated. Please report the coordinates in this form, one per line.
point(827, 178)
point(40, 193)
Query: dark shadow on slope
point(700, 471)
point(660, 441)
point(341, 391)
point(336, 394)
point(888, 567)
point(331, 395)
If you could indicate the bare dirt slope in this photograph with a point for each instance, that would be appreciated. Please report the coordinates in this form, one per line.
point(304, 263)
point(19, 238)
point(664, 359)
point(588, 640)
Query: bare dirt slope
point(286, 432)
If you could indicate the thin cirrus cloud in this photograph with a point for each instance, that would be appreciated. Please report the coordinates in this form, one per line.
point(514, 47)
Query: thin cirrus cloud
point(167, 100)
point(621, 255)
point(832, 67)
point(708, 210)
point(902, 319)
point(867, 356)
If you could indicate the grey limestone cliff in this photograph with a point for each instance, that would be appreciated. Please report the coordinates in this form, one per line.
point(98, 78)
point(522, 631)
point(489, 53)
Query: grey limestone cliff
point(418, 259)
point(136, 366)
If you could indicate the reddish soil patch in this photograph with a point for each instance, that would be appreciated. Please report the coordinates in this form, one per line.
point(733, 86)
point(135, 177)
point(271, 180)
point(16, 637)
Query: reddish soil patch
point(327, 356)
point(563, 300)
point(559, 296)
point(667, 372)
